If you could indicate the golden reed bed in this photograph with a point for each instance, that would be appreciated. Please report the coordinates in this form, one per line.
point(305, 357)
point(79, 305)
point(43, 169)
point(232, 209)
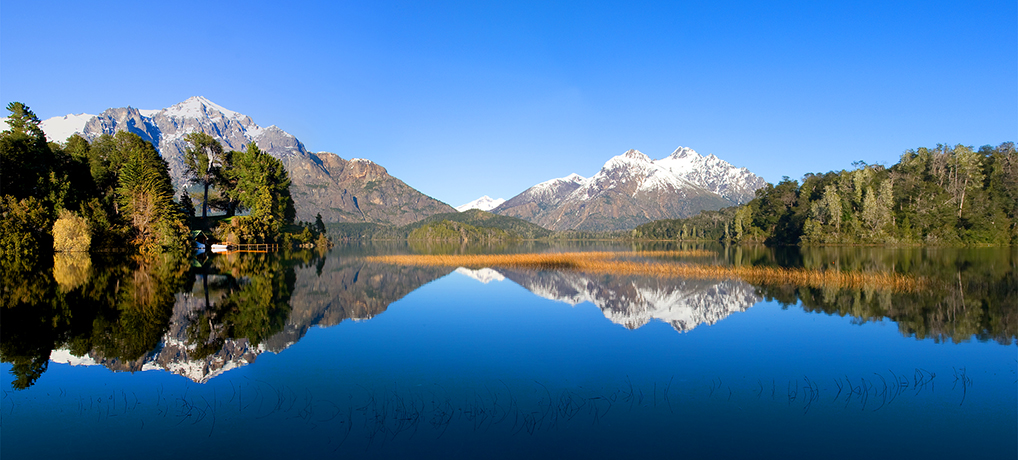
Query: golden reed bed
point(610, 263)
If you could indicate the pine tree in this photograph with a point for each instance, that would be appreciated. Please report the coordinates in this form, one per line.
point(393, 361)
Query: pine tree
point(203, 162)
point(319, 225)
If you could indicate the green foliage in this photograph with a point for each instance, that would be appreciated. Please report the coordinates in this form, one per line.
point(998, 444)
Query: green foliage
point(512, 227)
point(145, 195)
point(457, 232)
point(25, 158)
point(255, 181)
point(708, 225)
point(517, 228)
point(943, 196)
point(971, 294)
point(24, 230)
point(118, 184)
point(23, 121)
point(319, 225)
point(116, 311)
point(186, 205)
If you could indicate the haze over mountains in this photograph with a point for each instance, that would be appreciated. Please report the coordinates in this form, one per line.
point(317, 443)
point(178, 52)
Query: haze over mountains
point(630, 189)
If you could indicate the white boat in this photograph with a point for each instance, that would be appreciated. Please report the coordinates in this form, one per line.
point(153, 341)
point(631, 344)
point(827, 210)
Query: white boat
point(218, 247)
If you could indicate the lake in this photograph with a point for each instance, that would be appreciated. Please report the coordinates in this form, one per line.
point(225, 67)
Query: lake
point(337, 355)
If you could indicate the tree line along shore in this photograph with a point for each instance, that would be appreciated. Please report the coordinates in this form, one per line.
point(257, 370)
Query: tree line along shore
point(114, 194)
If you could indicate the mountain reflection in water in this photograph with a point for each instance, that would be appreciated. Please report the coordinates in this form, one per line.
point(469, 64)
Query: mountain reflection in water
point(633, 301)
point(201, 342)
point(226, 320)
point(202, 321)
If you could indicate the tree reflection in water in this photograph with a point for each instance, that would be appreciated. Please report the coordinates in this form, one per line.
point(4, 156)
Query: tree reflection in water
point(203, 319)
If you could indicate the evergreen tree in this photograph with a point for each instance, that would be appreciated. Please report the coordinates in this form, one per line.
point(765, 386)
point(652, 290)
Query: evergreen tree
point(25, 158)
point(186, 205)
point(203, 162)
point(261, 185)
point(319, 225)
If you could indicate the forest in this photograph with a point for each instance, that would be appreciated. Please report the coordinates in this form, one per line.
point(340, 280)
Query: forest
point(946, 196)
point(114, 194)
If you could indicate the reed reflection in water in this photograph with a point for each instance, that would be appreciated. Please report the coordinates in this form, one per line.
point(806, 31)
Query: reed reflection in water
point(440, 364)
point(607, 263)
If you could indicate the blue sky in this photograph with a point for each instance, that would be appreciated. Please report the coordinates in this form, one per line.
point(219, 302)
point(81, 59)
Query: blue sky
point(463, 99)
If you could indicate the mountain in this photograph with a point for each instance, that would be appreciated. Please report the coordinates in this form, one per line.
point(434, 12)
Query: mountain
point(538, 199)
point(355, 190)
point(484, 203)
point(631, 189)
point(714, 174)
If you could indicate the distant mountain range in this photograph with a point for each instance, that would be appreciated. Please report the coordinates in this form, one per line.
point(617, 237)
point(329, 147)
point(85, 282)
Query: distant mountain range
point(355, 190)
point(631, 189)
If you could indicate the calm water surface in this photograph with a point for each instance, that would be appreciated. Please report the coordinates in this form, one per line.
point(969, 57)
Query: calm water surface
point(253, 356)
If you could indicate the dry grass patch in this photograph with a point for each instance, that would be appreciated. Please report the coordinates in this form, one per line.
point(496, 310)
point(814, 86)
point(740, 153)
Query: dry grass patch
point(608, 263)
point(682, 253)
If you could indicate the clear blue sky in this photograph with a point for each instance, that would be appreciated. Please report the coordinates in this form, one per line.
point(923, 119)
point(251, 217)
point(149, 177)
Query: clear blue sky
point(463, 99)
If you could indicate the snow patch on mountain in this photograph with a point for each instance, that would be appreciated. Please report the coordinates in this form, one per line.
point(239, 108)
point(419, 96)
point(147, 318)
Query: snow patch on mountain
point(58, 129)
point(554, 184)
point(552, 189)
point(484, 203)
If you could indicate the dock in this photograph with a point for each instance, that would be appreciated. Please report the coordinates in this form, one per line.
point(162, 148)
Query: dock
point(231, 248)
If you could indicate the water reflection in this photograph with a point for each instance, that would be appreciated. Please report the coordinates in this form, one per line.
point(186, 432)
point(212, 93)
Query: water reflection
point(450, 367)
point(972, 293)
point(633, 301)
point(206, 320)
point(202, 319)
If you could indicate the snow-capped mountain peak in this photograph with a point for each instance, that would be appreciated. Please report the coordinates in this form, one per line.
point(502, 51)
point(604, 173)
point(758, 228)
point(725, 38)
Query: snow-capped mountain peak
point(573, 178)
point(484, 203)
point(630, 159)
point(636, 155)
point(631, 188)
point(200, 107)
point(683, 152)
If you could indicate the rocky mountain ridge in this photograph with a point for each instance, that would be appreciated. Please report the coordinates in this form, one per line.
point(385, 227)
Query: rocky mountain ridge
point(341, 190)
point(631, 189)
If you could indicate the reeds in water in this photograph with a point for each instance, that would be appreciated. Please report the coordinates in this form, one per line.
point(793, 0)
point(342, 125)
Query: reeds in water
point(610, 263)
point(679, 253)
